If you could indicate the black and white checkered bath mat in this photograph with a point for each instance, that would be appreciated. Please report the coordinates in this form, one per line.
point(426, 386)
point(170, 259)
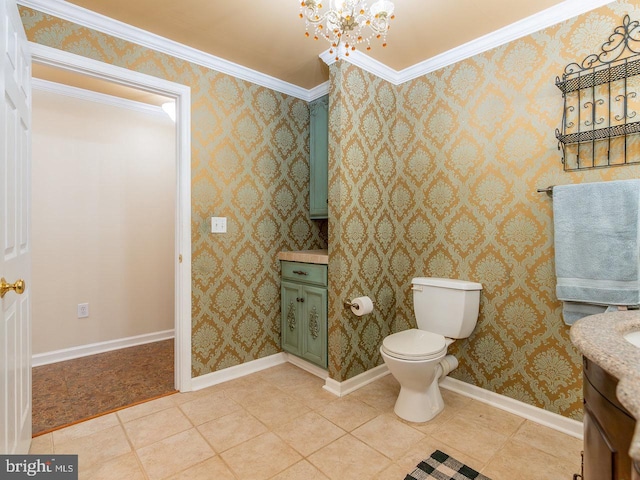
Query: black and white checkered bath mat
point(441, 466)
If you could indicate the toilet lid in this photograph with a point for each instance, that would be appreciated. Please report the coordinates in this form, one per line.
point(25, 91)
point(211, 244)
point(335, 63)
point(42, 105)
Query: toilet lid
point(414, 344)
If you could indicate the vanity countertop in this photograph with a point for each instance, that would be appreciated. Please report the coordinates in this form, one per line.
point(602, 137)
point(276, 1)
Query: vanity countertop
point(601, 339)
point(306, 256)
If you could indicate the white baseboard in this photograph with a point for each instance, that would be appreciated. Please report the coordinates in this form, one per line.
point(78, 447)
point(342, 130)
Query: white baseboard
point(55, 356)
point(341, 389)
point(538, 415)
point(237, 371)
point(309, 367)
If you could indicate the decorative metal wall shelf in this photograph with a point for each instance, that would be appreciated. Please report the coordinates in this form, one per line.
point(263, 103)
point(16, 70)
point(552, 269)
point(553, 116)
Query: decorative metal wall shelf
point(601, 100)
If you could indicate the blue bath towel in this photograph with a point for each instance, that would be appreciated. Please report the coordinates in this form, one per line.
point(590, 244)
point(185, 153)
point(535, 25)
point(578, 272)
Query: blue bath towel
point(597, 246)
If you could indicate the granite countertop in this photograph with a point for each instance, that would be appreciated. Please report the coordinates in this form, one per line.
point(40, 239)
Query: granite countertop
point(306, 256)
point(600, 338)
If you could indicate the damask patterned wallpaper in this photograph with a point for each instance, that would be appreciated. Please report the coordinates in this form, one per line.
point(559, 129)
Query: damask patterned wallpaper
point(438, 177)
point(250, 163)
point(365, 254)
point(435, 177)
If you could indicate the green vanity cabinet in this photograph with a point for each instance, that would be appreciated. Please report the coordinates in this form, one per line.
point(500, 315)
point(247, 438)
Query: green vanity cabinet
point(319, 158)
point(304, 311)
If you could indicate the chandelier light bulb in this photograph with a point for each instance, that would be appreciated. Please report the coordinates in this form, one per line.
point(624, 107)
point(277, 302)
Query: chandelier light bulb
point(348, 22)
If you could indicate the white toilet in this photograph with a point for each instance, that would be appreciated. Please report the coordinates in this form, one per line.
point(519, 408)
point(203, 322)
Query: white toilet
point(445, 310)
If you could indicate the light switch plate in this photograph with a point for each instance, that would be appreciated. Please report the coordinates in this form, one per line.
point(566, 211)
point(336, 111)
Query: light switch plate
point(218, 224)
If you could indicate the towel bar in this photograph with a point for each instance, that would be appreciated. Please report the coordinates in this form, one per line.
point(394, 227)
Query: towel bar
point(548, 190)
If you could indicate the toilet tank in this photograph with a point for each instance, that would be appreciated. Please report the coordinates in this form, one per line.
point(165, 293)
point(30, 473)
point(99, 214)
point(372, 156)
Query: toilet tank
point(446, 306)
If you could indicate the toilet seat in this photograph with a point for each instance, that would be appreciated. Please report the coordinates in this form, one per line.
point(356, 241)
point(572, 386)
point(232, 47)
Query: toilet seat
point(414, 344)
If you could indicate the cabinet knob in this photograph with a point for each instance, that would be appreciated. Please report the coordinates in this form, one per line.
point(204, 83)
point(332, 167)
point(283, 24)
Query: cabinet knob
point(300, 299)
point(300, 272)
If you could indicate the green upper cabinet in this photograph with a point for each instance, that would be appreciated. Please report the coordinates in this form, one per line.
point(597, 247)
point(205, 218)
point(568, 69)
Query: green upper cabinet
point(319, 159)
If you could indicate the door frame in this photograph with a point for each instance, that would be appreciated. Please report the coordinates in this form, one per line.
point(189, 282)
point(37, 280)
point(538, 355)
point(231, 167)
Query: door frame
point(182, 95)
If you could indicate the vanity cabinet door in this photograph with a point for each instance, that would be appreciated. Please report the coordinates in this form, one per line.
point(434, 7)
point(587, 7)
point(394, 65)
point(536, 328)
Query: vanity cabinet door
point(304, 315)
point(608, 427)
point(598, 454)
point(319, 158)
point(314, 335)
point(291, 294)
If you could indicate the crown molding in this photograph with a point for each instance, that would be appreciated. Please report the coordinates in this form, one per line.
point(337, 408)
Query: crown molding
point(534, 23)
point(319, 91)
point(109, 26)
point(91, 96)
point(546, 18)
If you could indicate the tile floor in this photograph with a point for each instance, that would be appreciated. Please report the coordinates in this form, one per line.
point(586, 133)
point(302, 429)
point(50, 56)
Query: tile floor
point(280, 424)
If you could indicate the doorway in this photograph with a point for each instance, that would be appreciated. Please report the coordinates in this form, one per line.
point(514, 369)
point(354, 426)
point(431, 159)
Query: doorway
point(182, 252)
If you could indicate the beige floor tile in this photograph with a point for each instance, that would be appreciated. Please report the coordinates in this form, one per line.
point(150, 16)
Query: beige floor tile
point(453, 399)
point(388, 435)
point(393, 472)
point(309, 432)
point(42, 445)
point(96, 448)
point(147, 408)
point(211, 469)
point(261, 457)
point(470, 439)
point(226, 432)
point(125, 466)
point(300, 471)
point(276, 408)
point(146, 430)
point(381, 394)
point(83, 429)
point(349, 459)
point(419, 451)
point(348, 413)
point(312, 394)
point(263, 424)
point(286, 375)
point(174, 454)
point(483, 416)
point(521, 461)
point(184, 397)
point(435, 423)
point(550, 441)
point(248, 390)
point(209, 407)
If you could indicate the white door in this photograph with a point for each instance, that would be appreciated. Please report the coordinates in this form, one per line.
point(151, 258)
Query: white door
point(15, 266)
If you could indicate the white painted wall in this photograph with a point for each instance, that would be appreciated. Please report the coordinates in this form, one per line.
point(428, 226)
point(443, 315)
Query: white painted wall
point(103, 213)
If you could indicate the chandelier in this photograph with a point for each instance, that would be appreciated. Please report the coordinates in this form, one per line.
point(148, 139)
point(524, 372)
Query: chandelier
point(347, 22)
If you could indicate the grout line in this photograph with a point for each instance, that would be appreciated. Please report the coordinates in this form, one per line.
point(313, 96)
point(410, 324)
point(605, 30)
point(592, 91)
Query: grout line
point(102, 414)
point(133, 449)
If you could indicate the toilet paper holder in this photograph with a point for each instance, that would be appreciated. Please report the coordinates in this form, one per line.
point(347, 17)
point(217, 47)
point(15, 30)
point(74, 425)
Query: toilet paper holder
point(350, 304)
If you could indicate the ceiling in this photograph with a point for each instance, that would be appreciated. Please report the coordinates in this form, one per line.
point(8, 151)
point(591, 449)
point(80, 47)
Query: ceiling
point(268, 36)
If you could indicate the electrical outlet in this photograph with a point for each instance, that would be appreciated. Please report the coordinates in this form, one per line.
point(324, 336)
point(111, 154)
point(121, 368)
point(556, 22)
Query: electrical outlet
point(83, 310)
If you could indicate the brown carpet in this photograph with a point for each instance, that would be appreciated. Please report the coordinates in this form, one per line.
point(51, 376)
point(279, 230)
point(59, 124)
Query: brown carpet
point(67, 392)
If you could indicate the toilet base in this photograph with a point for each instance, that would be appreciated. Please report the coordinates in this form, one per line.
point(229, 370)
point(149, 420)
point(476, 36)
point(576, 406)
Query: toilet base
point(419, 406)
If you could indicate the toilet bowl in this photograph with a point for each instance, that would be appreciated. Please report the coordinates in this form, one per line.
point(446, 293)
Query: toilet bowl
point(414, 358)
point(445, 309)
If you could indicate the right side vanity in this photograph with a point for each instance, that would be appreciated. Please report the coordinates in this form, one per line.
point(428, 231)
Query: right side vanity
point(611, 360)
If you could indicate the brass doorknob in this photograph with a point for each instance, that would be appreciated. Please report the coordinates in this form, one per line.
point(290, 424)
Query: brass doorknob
point(18, 287)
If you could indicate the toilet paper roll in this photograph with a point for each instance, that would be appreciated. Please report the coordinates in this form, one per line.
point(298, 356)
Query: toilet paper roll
point(361, 306)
